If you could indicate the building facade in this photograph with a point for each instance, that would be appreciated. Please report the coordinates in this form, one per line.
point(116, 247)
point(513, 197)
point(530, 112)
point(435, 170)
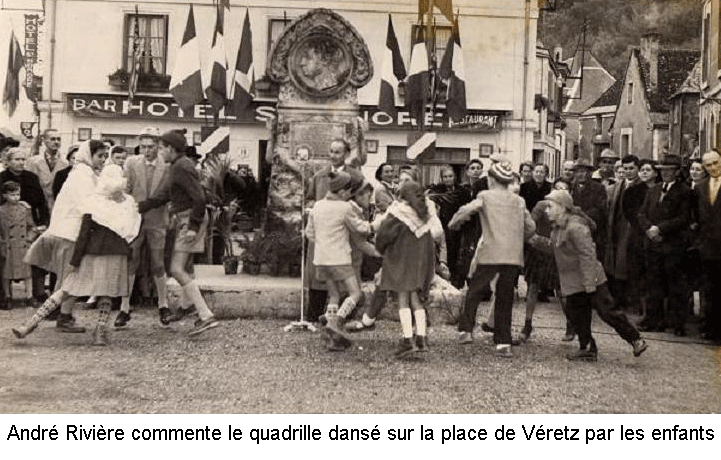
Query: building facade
point(653, 75)
point(710, 100)
point(596, 121)
point(683, 121)
point(549, 84)
point(85, 94)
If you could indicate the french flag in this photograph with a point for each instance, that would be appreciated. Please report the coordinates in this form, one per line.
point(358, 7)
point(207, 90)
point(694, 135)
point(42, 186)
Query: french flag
point(393, 71)
point(452, 72)
point(185, 81)
point(216, 90)
point(244, 75)
point(417, 85)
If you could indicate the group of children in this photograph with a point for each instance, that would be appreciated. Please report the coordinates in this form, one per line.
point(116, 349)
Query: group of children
point(406, 235)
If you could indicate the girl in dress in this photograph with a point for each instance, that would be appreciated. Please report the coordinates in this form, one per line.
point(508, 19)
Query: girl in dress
point(405, 239)
point(21, 231)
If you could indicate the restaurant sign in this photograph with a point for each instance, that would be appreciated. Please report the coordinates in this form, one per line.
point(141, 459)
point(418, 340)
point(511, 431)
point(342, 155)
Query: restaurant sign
point(117, 105)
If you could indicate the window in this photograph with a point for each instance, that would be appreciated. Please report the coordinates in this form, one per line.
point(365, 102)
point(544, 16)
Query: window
point(705, 45)
point(152, 31)
point(629, 95)
point(598, 129)
point(676, 111)
point(439, 42)
point(626, 141)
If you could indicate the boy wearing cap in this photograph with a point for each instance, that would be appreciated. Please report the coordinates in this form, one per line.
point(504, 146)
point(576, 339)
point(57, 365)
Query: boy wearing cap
point(583, 280)
point(187, 205)
point(506, 225)
point(330, 222)
point(145, 173)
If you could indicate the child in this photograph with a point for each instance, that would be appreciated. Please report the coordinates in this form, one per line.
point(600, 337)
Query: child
point(329, 223)
point(405, 240)
point(118, 155)
point(100, 257)
point(21, 230)
point(187, 206)
point(583, 280)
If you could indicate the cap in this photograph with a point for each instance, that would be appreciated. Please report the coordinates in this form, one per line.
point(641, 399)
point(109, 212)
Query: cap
point(176, 139)
point(561, 197)
point(502, 172)
point(338, 180)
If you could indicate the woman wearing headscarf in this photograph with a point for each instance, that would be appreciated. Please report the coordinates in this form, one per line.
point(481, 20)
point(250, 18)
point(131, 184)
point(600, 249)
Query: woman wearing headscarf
point(54, 249)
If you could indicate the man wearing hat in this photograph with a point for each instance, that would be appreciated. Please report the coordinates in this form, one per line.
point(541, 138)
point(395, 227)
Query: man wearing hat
point(507, 224)
point(591, 197)
point(145, 174)
point(606, 172)
point(664, 217)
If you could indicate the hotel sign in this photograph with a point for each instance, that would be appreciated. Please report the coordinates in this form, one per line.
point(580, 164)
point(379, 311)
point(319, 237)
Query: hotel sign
point(117, 105)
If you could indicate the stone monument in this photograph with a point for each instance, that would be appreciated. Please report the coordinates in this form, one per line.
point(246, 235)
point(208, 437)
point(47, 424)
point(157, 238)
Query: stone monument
point(319, 62)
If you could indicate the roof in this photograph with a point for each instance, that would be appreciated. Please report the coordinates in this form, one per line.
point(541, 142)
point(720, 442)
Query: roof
point(611, 97)
point(596, 80)
point(692, 84)
point(674, 66)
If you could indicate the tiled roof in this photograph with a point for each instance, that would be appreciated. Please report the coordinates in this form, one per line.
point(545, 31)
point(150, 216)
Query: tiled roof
point(596, 80)
point(673, 69)
point(611, 97)
point(692, 84)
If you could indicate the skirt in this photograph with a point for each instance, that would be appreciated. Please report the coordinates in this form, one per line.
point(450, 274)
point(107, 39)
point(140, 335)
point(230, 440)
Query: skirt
point(51, 253)
point(105, 275)
point(197, 244)
point(540, 269)
point(334, 272)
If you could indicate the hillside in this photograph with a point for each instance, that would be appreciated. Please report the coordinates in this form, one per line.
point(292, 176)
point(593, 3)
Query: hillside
point(615, 25)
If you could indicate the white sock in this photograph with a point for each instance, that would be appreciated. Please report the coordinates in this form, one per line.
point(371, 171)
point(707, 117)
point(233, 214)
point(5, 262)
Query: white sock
point(161, 287)
point(367, 320)
point(125, 301)
point(331, 309)
point(420, 316)
point(193, 292)
point(406, 318)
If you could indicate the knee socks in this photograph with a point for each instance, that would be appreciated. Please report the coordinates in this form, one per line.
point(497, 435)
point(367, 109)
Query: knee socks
point(406, 318)
point(420, 316)
point(104, 306)
point(45, 309)
point(347, 307)
point(331, 309)
point(161, 287)
point(125, 301)
point(192, 291)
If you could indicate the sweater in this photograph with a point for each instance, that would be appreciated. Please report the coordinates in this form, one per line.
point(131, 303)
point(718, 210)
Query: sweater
point(183, 190)
point(329, 223)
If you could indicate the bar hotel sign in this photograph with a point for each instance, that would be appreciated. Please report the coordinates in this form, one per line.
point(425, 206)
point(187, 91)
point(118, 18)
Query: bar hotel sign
point(112, 105)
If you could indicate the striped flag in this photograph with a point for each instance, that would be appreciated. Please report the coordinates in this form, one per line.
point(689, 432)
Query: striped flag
point(420, 143)
point(135, 63)
point(214, 139)
point(11, 93)
point(216, 90)
point(244, 75)
point(393, 72)
point(417, 84)
point(446, 7)
point(185, 82)
point(453, 73)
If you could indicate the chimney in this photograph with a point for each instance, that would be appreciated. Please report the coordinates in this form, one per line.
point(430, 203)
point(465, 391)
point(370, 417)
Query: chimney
point(649, 51)
point(558, 54)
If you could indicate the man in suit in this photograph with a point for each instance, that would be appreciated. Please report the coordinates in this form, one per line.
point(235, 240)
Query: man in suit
point(47, 163)
point(606, 173)
point(536, 189)
point(145, 174)
point(619, 261)
point(591, 197)
point(665, 217)
point(707, 207)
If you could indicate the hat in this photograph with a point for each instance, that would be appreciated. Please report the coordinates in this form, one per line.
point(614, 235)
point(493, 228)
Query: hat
point(357, 180)
point(149, 131)
point(502, 172)
point(72, 149)
point(670, 161)
point(176, 139)
point(561, 197)
point(497, 158)
point(608, 153)
point(583, 163)
point(338, 180)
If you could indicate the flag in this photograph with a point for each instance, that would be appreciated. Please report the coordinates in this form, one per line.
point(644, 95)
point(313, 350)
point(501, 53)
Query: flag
point(453, 73)
point(393, 72)
point(185, 82)
point(420, 143)
point(417, 83)
point(11, 93)
point(135, 64)
point(216, 90)
point(214, 139)
point(244, 76)
point(445, 6)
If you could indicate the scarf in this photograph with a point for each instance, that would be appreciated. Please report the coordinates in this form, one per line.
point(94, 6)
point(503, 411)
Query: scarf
point(406, 214)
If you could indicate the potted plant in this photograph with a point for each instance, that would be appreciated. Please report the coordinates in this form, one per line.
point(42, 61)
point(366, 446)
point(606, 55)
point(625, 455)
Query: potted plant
point(223, 208)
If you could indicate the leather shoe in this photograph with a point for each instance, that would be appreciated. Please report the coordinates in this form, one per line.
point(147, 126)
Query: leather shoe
point(583, 355)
